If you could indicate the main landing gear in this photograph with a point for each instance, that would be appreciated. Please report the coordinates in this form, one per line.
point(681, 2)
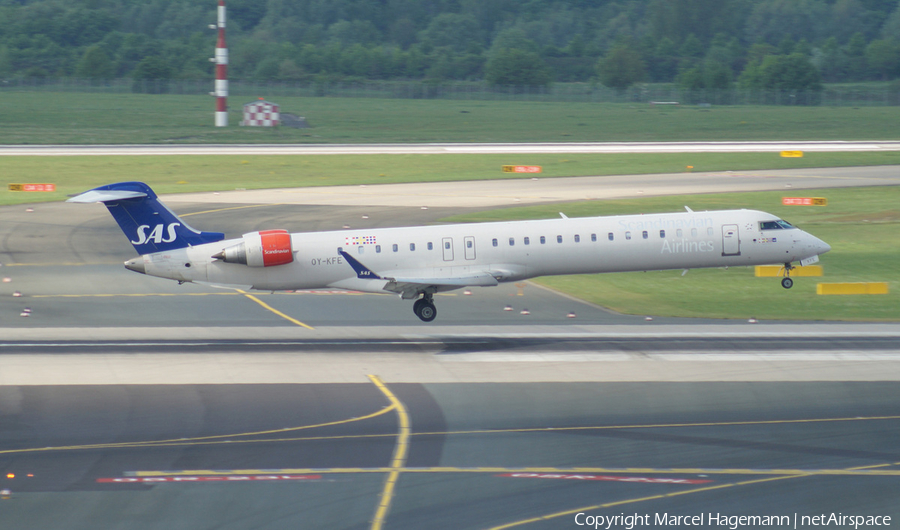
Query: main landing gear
point(787, 282)
point(424, 308)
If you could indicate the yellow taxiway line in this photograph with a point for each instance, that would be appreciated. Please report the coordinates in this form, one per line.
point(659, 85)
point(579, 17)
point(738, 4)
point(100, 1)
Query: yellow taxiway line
point(272, 309)
point(401, 449)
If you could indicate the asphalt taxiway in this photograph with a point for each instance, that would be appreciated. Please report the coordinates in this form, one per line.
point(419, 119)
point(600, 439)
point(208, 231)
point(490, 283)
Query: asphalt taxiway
point(133, 402)
point(453, 455)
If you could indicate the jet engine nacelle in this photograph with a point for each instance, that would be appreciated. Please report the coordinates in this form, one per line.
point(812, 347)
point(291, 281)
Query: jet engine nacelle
point(260, 249)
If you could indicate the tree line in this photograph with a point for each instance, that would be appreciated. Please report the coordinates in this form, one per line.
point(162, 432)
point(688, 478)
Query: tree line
point(698, 44)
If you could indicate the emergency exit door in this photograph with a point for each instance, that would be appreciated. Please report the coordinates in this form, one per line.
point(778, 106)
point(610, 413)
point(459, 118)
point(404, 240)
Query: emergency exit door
point(470, 247)
point(447, 247)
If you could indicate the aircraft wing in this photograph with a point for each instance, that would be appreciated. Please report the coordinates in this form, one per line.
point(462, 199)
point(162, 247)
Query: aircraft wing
point(409, 287)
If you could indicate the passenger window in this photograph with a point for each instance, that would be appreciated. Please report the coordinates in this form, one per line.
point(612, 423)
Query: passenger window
point(679, 233)
point(662, 234)
point(644, 234)
point(430, 246)
point(559, 239)
point(395, 247)
point(543, 240)
point(693, 232)
point(627, 235)
point(378, 249)
point(412, 246)
point(594, 238)
point(611, 236)
point(709, 231)
point(340, 249)
point(360, 249)
point(527, 240)
point(494, 241)
point(512, 241)
point(577, 238)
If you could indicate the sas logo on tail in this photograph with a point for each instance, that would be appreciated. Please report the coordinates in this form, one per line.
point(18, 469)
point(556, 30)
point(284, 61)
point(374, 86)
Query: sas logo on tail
point(156, 235)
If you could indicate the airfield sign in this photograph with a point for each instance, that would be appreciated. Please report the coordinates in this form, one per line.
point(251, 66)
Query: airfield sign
point(522, 169)
point(804, 201)
point(32, 187)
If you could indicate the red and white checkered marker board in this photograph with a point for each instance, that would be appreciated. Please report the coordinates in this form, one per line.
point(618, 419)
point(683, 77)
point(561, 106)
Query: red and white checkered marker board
point(262, 114)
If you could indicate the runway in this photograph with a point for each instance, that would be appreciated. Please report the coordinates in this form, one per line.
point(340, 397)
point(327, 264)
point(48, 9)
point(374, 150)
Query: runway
point(133, 402)
point(453, 354)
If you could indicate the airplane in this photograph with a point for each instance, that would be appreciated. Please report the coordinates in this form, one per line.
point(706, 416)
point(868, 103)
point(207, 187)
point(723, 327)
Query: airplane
point(417, 262)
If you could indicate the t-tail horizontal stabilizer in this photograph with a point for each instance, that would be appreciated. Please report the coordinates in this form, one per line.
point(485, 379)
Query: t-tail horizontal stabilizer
point(148, 224)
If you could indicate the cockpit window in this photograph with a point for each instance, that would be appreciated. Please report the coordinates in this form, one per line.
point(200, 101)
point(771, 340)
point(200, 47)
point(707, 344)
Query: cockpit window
point(775, 225)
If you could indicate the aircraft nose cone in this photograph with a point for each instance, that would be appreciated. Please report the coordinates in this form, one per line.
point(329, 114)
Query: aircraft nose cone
point(822, 246)
point(135, 264)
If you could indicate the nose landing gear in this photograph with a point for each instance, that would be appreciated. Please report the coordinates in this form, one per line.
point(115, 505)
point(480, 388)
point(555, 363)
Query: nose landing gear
point(787, 282)
point(424, 308)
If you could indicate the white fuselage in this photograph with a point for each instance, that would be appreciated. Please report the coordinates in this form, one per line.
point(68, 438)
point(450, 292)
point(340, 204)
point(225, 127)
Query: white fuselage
point(508, 251)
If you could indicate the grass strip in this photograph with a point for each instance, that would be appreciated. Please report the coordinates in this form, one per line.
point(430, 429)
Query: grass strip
point(195, 173)
point(86, 118)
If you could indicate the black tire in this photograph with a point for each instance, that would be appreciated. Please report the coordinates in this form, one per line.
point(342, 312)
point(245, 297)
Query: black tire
point(787, 283)
point(425, 310)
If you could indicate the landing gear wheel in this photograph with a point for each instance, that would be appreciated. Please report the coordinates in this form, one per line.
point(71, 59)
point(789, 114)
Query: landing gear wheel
point(425, 310)
point(787, 282)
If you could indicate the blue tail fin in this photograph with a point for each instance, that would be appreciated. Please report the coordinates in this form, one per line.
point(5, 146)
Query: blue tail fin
point(148, 224)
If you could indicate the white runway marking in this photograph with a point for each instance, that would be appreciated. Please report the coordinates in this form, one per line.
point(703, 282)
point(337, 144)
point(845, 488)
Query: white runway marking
point(551, 356)
point(454, 148)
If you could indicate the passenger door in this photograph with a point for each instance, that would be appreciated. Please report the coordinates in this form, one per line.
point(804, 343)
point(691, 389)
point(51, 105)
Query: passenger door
point(731, 241)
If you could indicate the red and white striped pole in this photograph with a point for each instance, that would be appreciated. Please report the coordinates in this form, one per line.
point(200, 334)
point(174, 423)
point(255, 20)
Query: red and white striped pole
point(221, 71)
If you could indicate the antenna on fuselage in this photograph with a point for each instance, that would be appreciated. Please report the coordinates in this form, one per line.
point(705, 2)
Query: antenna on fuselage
point(688, 208)
point(563, 215)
